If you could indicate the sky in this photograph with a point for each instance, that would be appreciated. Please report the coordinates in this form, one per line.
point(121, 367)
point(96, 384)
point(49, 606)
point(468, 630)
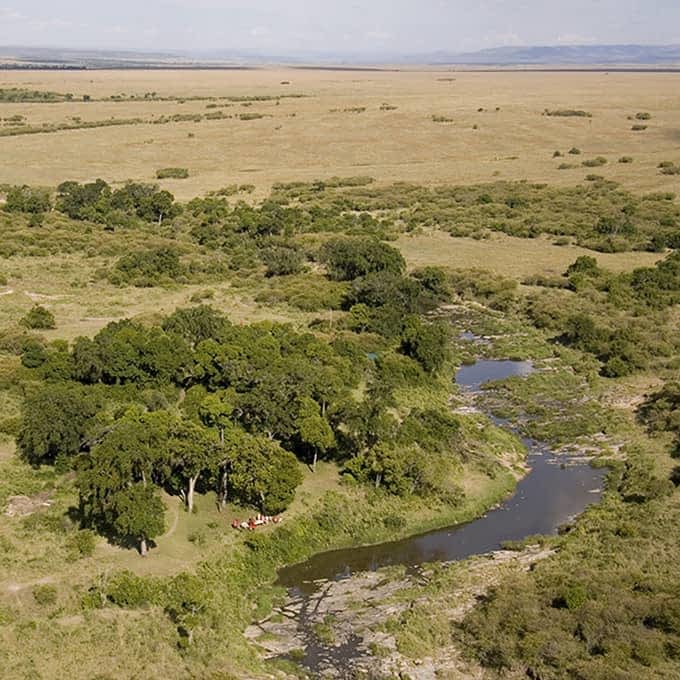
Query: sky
point(347, 26)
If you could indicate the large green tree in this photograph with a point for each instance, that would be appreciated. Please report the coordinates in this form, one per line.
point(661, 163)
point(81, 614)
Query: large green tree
point(138, 513)
point(56, 421)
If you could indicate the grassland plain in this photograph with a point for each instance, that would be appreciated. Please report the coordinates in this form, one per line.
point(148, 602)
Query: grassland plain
point(324, 133)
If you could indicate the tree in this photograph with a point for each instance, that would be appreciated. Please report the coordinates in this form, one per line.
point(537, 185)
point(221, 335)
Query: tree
point(358, 318)
point(217, 410)
point(38, 318)
point(263, 474)
point(191, 451)
point(28, 200)
point(313, 429)
point(349, 258)
point(87, 363)
point(145, 268)
point(84, 201)
point(196, 324)
point(56, 421)
point(187, 599)
point(33, 353)
point(427, 343)
point(138, 512)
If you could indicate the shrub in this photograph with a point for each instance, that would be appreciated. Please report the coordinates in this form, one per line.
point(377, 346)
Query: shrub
point(668, 168)
point(574, 151)
point(594, 162)
point(81, 544)
point(172, 173)
point(45, 595)
point(643, 115)
point(283, 261)
point(568, 113)
point(626, 159)
point(638, 128)
point(147, 268)
point(39, 318)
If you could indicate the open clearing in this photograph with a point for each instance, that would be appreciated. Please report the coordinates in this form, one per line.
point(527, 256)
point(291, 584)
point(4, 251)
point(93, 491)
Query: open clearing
point(326, 133)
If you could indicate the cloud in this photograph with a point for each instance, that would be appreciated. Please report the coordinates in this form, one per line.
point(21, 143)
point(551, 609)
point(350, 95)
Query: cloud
point(10, 14)
point(575, 39)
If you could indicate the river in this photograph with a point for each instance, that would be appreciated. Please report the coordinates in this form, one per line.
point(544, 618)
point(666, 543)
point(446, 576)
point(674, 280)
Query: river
point(556, 489)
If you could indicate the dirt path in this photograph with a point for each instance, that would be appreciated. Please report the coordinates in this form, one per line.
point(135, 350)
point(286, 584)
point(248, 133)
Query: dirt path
point(173, 527)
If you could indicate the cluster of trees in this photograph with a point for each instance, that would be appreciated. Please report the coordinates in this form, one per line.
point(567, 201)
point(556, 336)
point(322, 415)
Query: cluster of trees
point(98, 202)
point(621, 319)
point(199, 403)
point(26, 199)
point(598, 215)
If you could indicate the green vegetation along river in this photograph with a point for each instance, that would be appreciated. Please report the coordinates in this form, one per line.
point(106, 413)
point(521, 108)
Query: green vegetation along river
point(557, 488)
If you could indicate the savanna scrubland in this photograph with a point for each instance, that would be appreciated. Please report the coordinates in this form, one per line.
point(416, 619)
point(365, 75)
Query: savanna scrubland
point(226, 293)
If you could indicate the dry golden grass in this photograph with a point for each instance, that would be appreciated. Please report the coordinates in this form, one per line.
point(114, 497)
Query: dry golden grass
point(515, 258)
point(65, 285)
point(305, 140)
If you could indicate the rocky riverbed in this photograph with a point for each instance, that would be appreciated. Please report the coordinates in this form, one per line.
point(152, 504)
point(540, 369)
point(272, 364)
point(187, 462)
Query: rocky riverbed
point(347, 628)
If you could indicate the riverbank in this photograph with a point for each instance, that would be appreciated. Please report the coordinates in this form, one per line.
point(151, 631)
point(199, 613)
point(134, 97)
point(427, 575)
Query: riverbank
point(379, 623)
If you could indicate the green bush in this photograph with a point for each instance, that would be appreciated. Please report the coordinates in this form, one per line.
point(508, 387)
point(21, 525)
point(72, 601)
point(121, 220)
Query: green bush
point(594, 162)
point(28, 200)
point(39, 318)
point(147, 268)
point(568, 113)
point(81, 544)
point(172, 173)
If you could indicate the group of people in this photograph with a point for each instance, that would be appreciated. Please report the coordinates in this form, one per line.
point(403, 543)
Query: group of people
point(253, 522)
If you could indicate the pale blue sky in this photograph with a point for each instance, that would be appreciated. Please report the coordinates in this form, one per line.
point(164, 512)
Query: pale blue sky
point(289, 26)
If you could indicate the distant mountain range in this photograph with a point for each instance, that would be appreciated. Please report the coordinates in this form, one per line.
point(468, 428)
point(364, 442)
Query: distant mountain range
point(656, 56)
point(564, 55)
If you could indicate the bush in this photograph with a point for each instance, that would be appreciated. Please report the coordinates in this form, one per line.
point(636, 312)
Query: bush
point(594, 162)
point(574, 151)
point(45, 595)
point(81, 544)
point(643, 115)
point(172, 173)
point(147, 268)
point(638, 128)
point(38, 318)
point(348, 259)
point(129, 590)
point(28, 200)
point(626, 159)
point(283, 261)
point(568, 113)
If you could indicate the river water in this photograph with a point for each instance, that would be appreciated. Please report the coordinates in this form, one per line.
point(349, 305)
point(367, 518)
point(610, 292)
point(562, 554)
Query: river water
point(556, 490)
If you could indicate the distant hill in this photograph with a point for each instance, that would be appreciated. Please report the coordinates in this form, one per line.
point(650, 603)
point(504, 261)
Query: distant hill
point(575, 56)
point(564, 55)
